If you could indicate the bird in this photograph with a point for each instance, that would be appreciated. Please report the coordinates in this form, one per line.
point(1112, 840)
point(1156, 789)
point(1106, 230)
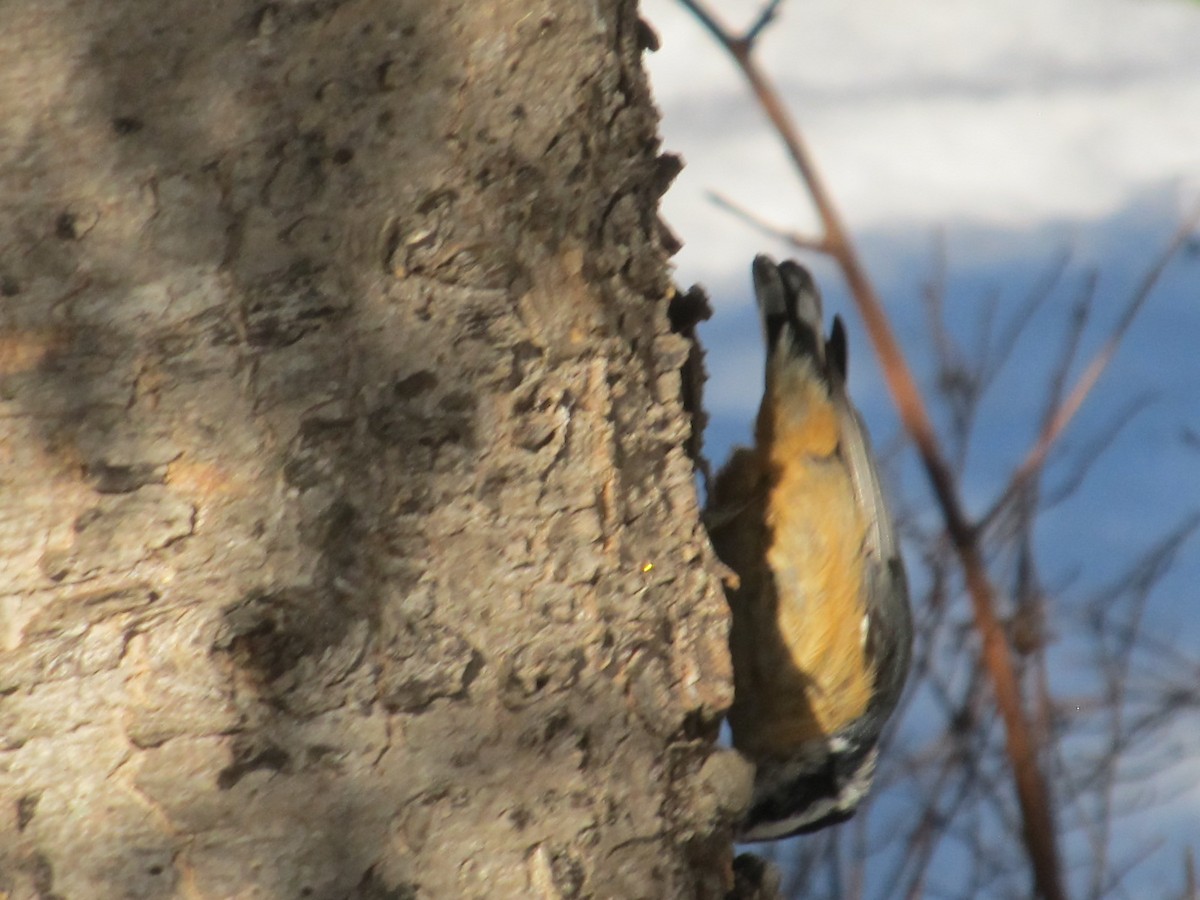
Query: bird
point(821, 627)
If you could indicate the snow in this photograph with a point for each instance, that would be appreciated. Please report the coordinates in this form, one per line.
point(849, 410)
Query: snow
point(927, 112)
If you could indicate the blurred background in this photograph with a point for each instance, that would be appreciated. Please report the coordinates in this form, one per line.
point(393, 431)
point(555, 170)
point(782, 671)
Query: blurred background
point(1010, 171)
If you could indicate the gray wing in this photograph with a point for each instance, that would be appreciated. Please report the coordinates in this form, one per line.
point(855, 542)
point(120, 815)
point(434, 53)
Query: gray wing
point(889, 616)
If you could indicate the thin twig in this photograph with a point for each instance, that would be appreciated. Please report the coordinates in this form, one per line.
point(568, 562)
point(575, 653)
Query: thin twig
point(764, 19)
point(760, 224)
point(1008, 340)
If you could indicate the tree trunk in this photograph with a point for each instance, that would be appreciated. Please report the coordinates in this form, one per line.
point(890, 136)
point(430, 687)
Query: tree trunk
point(349, 539)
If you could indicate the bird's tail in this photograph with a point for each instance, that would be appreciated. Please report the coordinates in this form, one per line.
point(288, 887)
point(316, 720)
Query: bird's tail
point(790, 305)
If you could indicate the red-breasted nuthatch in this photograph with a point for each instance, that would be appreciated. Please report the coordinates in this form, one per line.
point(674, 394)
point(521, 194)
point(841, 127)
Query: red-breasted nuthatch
point(822, 632)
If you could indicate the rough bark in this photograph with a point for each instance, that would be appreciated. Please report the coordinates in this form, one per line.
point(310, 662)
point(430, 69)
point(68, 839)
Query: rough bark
point(349, 539)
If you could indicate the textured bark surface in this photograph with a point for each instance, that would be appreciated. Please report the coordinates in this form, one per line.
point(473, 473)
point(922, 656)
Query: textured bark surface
point(349, 543)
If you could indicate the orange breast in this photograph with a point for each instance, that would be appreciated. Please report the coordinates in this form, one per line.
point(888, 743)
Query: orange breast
point(811, 676)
